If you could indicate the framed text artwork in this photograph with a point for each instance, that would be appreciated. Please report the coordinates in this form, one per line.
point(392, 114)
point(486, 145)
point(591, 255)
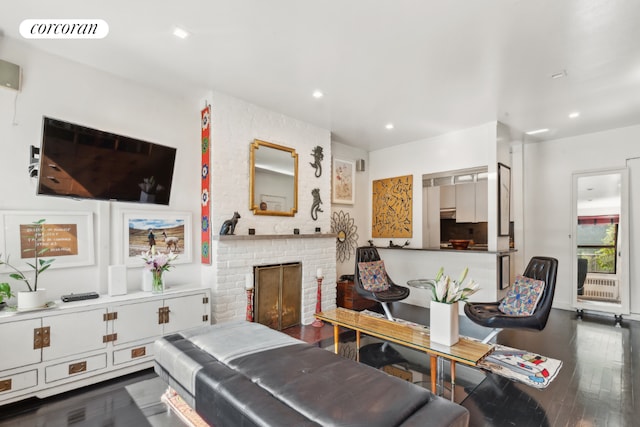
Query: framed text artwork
point(393, 207)
point(68, 237)
point(169, 232)
point(343, 182)
point(504, 199)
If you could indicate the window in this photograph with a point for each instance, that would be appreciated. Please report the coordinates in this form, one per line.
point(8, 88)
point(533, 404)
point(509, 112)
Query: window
point(598, 242)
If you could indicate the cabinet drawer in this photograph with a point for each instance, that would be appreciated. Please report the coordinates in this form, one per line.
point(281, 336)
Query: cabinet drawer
point(136, 352)
point(75, 367)
point(19, 381)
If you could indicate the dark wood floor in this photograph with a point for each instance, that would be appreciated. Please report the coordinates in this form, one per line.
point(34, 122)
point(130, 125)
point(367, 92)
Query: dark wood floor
point(598, 385)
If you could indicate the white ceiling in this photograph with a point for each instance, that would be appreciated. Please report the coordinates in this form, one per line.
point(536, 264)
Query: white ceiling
point(427, 66)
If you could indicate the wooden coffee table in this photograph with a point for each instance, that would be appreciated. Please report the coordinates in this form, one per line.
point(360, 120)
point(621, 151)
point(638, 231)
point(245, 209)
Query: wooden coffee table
point(466, 351)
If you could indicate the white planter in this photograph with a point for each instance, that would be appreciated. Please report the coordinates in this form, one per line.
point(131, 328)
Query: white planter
point(32, 300)
point(444, 326)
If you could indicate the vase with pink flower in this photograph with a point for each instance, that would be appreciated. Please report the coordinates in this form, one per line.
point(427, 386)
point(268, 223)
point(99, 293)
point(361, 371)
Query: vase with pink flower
point(157, 263)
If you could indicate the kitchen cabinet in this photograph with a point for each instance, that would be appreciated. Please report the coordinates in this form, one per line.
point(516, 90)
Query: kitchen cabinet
point(471, 202)
point(466, 202)
point(447, 196)
point(482, 201)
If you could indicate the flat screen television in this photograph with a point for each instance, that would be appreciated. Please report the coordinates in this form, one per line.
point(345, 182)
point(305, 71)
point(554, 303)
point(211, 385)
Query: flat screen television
point(80, 162)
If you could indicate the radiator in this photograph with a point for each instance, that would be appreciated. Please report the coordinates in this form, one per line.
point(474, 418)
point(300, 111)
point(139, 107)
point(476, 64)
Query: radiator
point(601, 287)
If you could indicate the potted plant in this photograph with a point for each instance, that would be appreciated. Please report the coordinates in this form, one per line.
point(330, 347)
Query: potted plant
point(443, 310)
point(34, 297)
point(5, 292)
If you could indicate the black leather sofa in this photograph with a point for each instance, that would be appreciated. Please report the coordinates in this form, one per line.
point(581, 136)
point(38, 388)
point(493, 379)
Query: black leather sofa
point(245, 374)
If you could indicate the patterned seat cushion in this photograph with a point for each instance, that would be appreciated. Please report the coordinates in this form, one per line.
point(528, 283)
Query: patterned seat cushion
point(373, 276)
point(522, 297)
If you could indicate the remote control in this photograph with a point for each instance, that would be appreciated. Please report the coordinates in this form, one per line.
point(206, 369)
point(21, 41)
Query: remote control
point(79, 297)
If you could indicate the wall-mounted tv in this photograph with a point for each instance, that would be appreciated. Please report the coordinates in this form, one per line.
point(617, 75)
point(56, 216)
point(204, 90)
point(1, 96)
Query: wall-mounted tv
point(80, 162)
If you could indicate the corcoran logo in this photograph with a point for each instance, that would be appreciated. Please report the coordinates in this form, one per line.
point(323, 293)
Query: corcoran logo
point(64, 29)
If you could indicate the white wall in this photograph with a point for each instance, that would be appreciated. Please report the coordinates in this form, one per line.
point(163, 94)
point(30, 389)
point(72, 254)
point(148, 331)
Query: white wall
point(548, 169)
point(468, 148)
point(235, 124)
point(359, 211)
point(73, 92)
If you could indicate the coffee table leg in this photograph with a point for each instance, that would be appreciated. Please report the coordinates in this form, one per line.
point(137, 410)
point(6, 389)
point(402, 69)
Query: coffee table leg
point(453, 378)
point(336, 336)
point(434, 374)
point(357, 346)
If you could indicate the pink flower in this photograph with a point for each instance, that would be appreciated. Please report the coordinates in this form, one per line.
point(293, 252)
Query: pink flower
point(158, 261)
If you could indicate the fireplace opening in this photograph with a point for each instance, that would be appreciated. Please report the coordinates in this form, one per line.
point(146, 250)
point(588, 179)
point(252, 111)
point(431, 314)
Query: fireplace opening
point(278, 295)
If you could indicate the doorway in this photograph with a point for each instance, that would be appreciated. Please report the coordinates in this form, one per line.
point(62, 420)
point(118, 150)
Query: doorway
point(601, 241)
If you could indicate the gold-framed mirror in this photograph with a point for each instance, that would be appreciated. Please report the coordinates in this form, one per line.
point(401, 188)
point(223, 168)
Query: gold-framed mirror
point(273, 180)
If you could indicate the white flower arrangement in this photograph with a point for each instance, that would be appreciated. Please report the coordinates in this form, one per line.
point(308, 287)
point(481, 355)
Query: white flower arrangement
point(449, 291)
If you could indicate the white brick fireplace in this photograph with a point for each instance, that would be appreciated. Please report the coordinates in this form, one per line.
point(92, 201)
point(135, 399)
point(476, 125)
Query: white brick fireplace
point(237, 255)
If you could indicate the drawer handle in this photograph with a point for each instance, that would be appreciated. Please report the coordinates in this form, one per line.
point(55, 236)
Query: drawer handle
point(5, 385)
point(76, 368)
point(138, 352)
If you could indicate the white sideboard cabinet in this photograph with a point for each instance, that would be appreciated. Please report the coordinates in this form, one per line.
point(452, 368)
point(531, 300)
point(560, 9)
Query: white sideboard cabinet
point(79, 343)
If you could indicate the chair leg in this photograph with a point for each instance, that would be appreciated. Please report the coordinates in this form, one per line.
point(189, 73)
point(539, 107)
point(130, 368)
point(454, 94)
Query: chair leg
point(492, 334)
point(387, 312)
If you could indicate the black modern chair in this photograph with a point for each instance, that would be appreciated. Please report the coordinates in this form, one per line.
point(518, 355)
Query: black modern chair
point(394, 293)
point(487, 313)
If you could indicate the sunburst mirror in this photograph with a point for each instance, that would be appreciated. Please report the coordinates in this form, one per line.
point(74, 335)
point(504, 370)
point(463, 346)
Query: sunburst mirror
point(347, 237)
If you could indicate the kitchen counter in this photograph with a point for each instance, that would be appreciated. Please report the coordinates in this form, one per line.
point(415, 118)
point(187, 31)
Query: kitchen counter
point(471, 249)
point(404, 264)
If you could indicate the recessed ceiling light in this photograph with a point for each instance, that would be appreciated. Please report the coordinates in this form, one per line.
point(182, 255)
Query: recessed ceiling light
point(179, 32)
point(559, 74)
point(533, 132)
point(318, 94)
point(389, 126)
point(574, 115)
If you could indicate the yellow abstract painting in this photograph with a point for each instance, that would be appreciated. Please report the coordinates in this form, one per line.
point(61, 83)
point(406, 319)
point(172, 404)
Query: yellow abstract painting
point(393, 207)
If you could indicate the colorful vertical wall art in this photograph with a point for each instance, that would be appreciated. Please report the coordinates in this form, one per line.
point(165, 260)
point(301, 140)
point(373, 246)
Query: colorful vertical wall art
point(205, 221)
point(393, 207)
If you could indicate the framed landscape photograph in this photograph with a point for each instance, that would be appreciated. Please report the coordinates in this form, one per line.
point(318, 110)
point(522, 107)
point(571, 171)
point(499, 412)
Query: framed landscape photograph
point(343, 182)
point(169, 232)
point(68, 237)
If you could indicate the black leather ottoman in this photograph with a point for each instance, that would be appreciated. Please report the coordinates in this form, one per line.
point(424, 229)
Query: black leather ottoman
point(245, 374)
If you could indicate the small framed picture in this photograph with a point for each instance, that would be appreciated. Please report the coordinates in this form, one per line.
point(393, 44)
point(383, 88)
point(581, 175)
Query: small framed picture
point(168, 232)
point(343, 182)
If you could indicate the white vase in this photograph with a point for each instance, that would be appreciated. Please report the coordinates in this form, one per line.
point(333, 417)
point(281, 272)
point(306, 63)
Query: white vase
point(32, 300)
point(444, 326)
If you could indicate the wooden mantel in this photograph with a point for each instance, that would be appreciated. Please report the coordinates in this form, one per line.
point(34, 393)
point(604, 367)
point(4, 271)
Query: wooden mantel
point(227, 237)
